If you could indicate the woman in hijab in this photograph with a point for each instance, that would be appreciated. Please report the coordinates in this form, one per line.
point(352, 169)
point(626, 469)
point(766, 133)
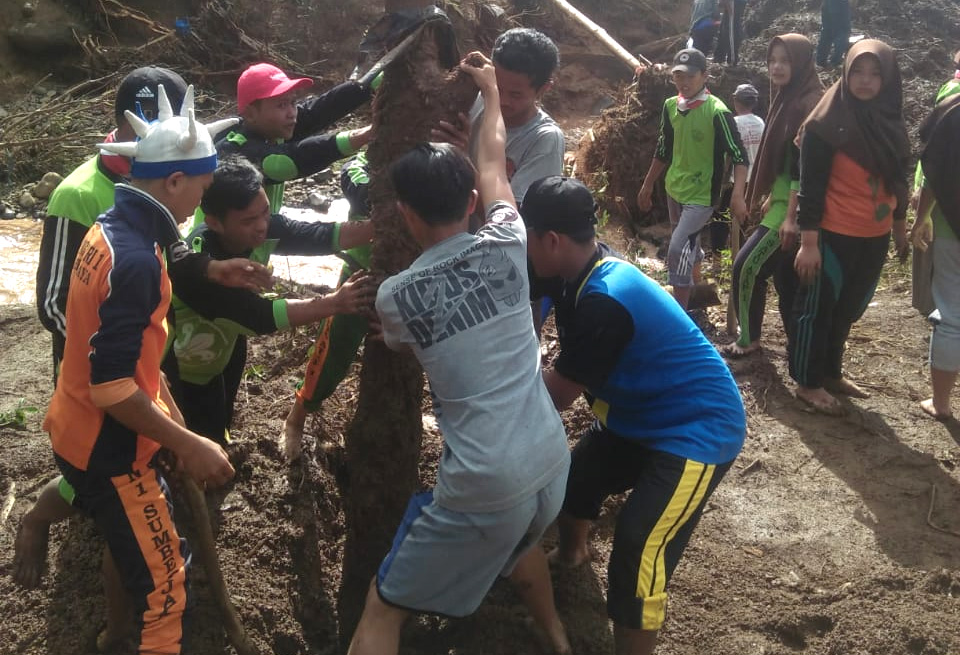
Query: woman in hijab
point(853, 192)
point(795, 90)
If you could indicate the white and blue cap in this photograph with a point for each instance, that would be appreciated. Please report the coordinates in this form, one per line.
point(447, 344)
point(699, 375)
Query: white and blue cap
point(171, 144)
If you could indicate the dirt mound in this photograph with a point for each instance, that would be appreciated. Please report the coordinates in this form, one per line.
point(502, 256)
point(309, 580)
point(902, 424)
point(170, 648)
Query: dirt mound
point(56, 107)
point(615, 155)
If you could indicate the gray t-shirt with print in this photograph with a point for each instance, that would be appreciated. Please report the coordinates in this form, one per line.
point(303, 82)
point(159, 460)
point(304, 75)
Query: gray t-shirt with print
point(534, 149)
point(462, 307)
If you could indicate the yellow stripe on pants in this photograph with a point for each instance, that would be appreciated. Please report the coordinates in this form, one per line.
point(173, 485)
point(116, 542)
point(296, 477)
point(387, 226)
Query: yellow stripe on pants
point(652, 577)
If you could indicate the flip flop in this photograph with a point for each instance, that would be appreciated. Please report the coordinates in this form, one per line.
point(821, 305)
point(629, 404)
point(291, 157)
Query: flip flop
point(735, 351)
point(829, 409)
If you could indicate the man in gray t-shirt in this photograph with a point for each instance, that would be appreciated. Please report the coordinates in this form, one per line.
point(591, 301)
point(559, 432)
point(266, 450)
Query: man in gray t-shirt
point(534, 150)
point(461, 308)
point(525, 61)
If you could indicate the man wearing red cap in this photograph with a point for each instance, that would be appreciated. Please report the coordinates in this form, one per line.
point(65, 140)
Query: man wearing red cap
point(280, 135)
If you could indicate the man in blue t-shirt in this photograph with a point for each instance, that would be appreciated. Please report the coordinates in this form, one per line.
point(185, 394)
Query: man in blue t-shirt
point(670, 420)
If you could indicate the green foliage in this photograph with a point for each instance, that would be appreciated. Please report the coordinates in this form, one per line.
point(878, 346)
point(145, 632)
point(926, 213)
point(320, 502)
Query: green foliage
point(603, 217)
point(17, 417)
point(723, 270)
point(599, 183)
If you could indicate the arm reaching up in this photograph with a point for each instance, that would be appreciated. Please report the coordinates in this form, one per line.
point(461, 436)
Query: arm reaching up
point(492, 181)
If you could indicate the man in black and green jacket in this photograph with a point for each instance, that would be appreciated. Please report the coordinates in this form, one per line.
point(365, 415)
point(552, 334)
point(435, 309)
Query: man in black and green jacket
point(284, 138)
point(212, 323)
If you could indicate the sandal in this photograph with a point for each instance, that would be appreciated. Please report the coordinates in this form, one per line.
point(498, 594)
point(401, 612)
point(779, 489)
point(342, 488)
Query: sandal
point(833, 408)
point(736, 351)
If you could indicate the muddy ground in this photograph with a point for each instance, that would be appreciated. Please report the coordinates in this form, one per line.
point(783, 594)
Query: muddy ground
point(822, 540)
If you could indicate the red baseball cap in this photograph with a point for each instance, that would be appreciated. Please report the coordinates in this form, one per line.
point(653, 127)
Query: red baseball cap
point(265, 81)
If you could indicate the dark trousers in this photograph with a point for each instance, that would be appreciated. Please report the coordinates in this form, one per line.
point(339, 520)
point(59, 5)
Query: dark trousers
point(667, 495)
point(134, 514)
point(834, 32)
point(719, 225)
point(208, 408)
point(723, 55)
point(59, 344)
point(826, 309)
point(703, 38)
point(759, 259)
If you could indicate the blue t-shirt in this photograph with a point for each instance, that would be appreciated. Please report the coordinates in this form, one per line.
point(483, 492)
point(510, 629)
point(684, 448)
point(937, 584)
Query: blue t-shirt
point(650, 373)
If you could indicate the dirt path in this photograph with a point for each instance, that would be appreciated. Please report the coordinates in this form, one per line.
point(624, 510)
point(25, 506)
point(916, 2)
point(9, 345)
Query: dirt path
point(817, 541)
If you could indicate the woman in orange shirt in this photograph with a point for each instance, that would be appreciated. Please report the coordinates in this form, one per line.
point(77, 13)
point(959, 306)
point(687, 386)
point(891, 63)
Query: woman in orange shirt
point(853, 193)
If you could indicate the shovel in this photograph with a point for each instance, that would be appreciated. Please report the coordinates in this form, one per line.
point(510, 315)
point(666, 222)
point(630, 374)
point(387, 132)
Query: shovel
point(397, 50)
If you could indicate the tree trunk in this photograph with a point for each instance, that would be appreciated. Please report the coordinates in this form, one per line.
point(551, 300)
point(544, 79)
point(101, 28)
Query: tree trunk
point(383, 442)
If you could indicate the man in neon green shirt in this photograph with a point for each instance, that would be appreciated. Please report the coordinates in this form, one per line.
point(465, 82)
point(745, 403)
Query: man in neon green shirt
point(696, 132)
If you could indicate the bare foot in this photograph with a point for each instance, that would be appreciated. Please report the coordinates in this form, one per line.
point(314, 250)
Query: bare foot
point(292, 436)
point(30, 552)
point(820, 400)
point(928, 407)
point(736, 351)
point(566, 560)
point(845, 387)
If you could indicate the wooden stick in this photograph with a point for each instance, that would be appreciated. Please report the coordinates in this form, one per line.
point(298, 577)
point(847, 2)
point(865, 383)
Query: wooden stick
point(732, 322)
point(8, 502)
point(933, 499)
point(602, 35)
point(207, 548)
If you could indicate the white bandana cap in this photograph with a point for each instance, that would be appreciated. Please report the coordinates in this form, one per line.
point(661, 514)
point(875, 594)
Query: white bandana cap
point(171, 144)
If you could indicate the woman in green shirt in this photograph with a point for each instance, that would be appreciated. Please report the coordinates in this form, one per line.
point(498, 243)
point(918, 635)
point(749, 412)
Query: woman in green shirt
point(774, 180)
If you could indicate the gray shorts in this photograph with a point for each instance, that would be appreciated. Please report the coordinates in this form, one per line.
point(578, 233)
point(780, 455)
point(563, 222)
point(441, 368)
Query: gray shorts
point(445, 562)
point(945, 342)
point(684, 251)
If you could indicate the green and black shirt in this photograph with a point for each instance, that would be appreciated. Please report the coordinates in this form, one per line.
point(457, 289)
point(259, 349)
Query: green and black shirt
point(694, 143)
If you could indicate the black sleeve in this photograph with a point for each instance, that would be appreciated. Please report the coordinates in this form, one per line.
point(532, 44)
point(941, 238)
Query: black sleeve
point(728, 138)
point(213, 301)
point(186, 267)
point(816, 160)
point(793, 163)
point(302, 237)
point(58, 248)
point(294, 159)
point(319, 112)
point(593, 340)
point(188, 276)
